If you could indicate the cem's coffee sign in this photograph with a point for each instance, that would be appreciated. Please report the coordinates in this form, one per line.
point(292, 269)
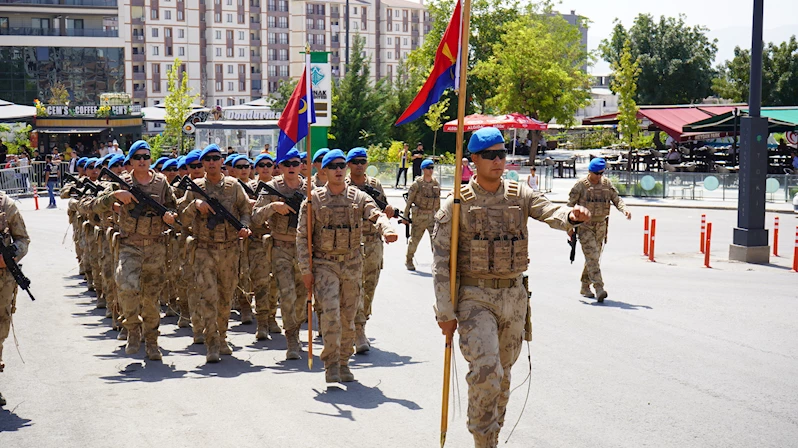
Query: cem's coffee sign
point(90, 110)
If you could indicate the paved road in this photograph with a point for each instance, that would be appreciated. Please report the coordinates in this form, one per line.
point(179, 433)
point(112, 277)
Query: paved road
point(678, 356)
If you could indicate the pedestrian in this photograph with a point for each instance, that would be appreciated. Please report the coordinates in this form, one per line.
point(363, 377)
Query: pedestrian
point(595, 192)
point(24, 168)
point(51, 174)
point(491, 259)
point(404, 154)
point(532, 180)
point(339, 212)
point(417, 156)
point(13, 233)
point(468, 173)
point(423, 200)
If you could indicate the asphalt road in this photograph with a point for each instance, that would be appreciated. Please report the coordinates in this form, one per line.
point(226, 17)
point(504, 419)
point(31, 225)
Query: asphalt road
point(678, 356)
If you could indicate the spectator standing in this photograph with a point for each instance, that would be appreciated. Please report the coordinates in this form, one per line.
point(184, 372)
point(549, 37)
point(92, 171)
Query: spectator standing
point(115, 149)
point(51, 172)
point(404, 154)
point(468, 173)
point(417, 157)
point(24, 167)
point(532, 181)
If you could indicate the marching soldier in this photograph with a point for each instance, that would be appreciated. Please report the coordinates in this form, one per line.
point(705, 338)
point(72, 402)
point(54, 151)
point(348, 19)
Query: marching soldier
point(188, 291)
point(260, 261)
point(357, 160)
point(319, 179)
point(423, 200)
point(13, 233)
point(241, 169)
point(339, 212)
point(67, 192)
point(595, 192)
point(492, 257)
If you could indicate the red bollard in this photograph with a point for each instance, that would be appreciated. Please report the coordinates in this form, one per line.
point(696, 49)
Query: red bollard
point(651, 240)
point(707, 244)
point(703, 231)
point(776, 237)
point(645, 236)
point(795, 254)
point(35, 197)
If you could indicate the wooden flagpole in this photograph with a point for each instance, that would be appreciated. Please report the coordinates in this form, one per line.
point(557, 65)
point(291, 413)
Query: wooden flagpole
point(308, 182)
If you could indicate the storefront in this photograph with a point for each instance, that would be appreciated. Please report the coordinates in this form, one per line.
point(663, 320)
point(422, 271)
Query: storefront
point(90, 125)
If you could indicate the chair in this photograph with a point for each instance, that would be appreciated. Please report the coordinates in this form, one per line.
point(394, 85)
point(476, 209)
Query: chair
point(548, 161)
point(669, 168)
point(570, 165)
point(720, 169)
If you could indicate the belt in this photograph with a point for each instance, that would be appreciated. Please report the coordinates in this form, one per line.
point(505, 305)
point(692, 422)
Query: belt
point(142, 242)
point(216, 246)
point(337, 257)
point(492, 283)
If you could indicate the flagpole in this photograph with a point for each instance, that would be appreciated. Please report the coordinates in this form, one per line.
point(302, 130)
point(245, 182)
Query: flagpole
point(308, 182)
point(462, 95)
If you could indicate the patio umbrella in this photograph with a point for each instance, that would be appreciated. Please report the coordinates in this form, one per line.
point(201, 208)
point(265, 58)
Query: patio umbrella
point(513, 121)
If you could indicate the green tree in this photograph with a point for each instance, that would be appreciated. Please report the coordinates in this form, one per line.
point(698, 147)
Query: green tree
point(435, 118)
point(624, 83)
point(675, 59)
point(178, 107)
point(536, 70)
point(285, 89)
point(779, 75)
point(404, 88)
point(58, 94)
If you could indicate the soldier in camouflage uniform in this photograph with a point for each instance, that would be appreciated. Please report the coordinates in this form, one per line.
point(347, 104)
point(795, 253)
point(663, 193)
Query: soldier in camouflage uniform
point(91, 237)
point(67, 192)
point(357, 160)
point(320, 178)
point(142, 250)
point(13, 232)
point(283, 235)
point(595, 192)
point(492, 257)
point(241, 169)
point(188, 284)
point(339, 212)
point(260, 261)
point(423, 200)
point(216, 252)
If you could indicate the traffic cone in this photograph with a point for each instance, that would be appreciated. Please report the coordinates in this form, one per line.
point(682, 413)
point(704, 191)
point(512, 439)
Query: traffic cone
point(35, 197)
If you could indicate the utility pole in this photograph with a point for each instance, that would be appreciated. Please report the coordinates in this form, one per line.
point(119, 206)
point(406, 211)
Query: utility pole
point(346, 24)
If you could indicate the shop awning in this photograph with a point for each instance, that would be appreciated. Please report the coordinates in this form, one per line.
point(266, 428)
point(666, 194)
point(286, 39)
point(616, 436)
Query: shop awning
point(15, 112)
point(780, 119)
point(502, 122)
point(70, 130)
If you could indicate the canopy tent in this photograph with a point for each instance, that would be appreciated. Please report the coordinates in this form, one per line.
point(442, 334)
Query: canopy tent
point(672, 119)
point(158, 112)
point(780, 119)
point(501, 122)
point(10, 112)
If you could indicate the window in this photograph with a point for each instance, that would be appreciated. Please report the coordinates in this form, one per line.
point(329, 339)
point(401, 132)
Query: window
point(334, 9)
point(404, 13)
point(229, 86)
point(404, 27)
point(229, 52)
point(241, 35)
point(272, 38)
point(404, 55)
point(219, 102)
point(242, 19)
point(231, 102)
point(242, 86)
point(284, 70)
point(168, 14)
point(167, 32)
point(365, 25)
point(169, 50)
point(218, 51)
point(229, 18)
point(217, 17)
point(334, 38)
point(241, 101)
point(242, 69)
point(319, 24)
point(354, 10)
point(229, 35)
point(390, 55)
point(363, 10)
point(390, 41)
point(154, 14)
point(390, 12)
point(354, 26)
point(241, 52)
point(229, 2)
point(156, 69)
point(390, 27)
point(181, 34)
point(155, 32)
point(230, 69)
point(180, 15)
point(283, 55)
point(218, 35)
point(272, 71)
point(181, 51)
point(156, 86)
point(218, 68)
point(155, 50)
point(396, 13)
point(309, 23)
point(168, 68)
point(404, 41)
point(218, 88)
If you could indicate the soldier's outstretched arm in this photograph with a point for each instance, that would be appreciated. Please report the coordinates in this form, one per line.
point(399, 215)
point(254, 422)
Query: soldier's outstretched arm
point(441, 246)
point(373, 213)
point(573, 195)
point(19, 233)
point(302, 253)
point(556, 216)
point(616, 200)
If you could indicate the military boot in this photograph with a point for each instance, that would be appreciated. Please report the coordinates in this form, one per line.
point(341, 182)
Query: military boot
point(262, 333)
point(184, 321)
point(346, 374)
point(2, 400)
point(332, 374)
point(101, 302)
point(601, 294)
point(409, 264)
point(90, 281)
point(109, 313)
point(361, 341)
point(199, 337)
point(224, 346)
point(133, 340)
point(294, 348)
point(246, 314)
point(212, 355)
point(152, 351)
point(122, 336)
point(274, 327)
point(585, 291)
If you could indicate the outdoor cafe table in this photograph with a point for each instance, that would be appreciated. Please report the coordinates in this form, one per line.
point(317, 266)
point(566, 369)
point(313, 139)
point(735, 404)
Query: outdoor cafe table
point(559, 162)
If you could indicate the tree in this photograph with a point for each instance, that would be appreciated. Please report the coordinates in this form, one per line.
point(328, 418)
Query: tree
point(536, 70)
point(58, 94)
point(675, 59)
point(285, 89)
point(178, 108)
point(404, 88)
point(624, 83)
point(435, 118)
point(779, 75)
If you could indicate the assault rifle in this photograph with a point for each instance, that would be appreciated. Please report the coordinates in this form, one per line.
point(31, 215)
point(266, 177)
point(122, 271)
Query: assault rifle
point(9, 251)
point(375, 194)
point(572, 243)
point(220, 215)
point(253, 194)
point(84, 187)
point(177, 181)
point(295, 201)
point(144, 200)
point(408, 224)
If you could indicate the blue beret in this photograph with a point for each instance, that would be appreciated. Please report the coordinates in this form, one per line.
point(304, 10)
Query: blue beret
point(263, 157)
point(356, 152)
point(192, 157)
point(320, 154)
point(596, 165)
point(117, 158)
point(181, 162)
point(330, 156)
point(104, 158)
point(427, 163)
point(209, 149)
point(292, 154)
point(241, 157)
point(169, 163)
point(160, 161)
point(82, 161)
point(91, 162)
point(303, 155)
point(229, 159)
point(484, 138)
point(137, 146)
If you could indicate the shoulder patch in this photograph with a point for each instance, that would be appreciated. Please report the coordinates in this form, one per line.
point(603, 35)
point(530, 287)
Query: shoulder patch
point(513, 189)
point(467, 193)
point(443, 215)
point(351, 193)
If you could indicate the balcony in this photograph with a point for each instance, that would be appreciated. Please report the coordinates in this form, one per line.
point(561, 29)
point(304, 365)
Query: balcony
point(72, 32)
point(139, 76)
point(255, 42)
point(92, 3)
point(140, 57)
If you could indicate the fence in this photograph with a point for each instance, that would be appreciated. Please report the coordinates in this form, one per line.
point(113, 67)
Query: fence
point(685, 185)
point(386, 174)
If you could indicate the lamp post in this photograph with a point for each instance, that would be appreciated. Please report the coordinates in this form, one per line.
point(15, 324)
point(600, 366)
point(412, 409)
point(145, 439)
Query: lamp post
point(750, 239)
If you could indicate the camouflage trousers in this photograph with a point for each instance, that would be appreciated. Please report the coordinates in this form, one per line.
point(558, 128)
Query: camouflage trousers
point(372, 265)
point(139, 281)
point(85, 253)
point(243, 292)
point(216, 271)
point(188, 290)
point(421, 224)
point(338, 290)
point(592, 238)
point(109, 263)
point(289, 282)
point(95, 249)
point(491, 328)
point(260, 268)
point(8, 297)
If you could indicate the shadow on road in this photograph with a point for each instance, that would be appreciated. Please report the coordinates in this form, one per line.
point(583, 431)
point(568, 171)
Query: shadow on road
point(621, 305)
point(229, 367)
point(357, 396)
point(145, 371)
point(380, 358)
point(421, 274)
point(9, 421)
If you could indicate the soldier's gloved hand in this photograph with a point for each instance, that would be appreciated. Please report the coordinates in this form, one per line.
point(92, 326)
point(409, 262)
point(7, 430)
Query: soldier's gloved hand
point(244, 233)
point(282, 208)
point(125, 196)
point(391, 237)
point(448, 327)
point(389, 211)
point(579, 214)
point(628, 214)
point(307, 279)
point(117, 207)
point(169, 218)
point(203, 207)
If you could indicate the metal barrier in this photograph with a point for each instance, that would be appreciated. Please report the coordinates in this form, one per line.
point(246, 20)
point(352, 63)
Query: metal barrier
point(15, 181)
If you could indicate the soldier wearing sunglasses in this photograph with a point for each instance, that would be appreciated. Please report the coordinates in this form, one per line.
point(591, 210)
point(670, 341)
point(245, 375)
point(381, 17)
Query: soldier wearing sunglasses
point(188, 292)
point(320, 178)
point(340, 212)
point(423, 200)
point(241, 170)
point(357, 159)
point(276, 212)
point(492, 257)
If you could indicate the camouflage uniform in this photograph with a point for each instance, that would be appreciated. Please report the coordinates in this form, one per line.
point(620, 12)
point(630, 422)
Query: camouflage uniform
point(215, 258)
point(492, 302)
point(423, 200)
point(13, 228)
point(593, 234)
point(337, 263)
point(98, 248)
point(140, 271)
point(284, 262)
point(264, 286)
point(317, 182)
point(74, 217)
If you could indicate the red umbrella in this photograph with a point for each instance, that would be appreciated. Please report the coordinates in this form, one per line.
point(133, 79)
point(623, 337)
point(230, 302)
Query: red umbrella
point(501, 122)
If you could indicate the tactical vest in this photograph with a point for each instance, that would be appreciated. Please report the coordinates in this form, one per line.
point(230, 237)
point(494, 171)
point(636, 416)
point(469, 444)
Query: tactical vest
point(596, 198)
point(369, 228)
point(258, 231)
point(6, 233)
point(224, 232)
point(281, 223)
point(493, 238)
point(337, 224)
point(148, 224)
point(427, 194)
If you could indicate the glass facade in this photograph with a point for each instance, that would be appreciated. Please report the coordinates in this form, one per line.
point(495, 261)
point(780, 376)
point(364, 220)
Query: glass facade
point(26, 73)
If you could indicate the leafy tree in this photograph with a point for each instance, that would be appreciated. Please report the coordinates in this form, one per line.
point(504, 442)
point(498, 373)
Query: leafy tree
point(779, 75)
point(404, 88)
point(178, 107)
point(58, 94)
point(285, 89)
point(675, 59)
point(624, 82)
point(16, 137)
point(536, 70)
point(435, 118)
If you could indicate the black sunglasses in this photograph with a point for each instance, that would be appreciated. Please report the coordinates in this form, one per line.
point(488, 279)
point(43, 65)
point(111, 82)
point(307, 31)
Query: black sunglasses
point(289, 163)
point(211, 158)
point(140, 157)
point(170, 170)
point(429, 167)
point(195, 166)
point(491, 155)
point(242, 167)
point(265, 165)
point(600, 173)
point(336, 166)
point(359, 161)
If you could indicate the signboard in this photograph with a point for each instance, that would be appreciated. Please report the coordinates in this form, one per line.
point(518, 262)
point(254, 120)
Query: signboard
point(321, 77)
point(90, 110)
point(792, 137)
point(251, 114)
